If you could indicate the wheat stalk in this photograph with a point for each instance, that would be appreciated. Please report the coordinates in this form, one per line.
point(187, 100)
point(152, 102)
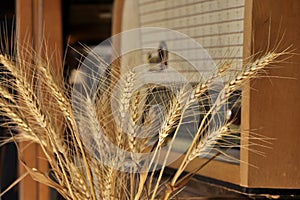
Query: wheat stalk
point(86, 165)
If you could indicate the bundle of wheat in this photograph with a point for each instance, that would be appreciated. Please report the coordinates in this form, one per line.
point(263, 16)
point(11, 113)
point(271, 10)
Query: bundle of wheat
point(89, 160)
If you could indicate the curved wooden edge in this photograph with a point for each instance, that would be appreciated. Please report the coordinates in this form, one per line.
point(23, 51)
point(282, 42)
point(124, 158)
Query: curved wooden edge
point(224, 171)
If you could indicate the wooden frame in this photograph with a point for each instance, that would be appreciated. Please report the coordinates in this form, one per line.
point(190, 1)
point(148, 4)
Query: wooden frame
point(271, 105)
point(38, 20)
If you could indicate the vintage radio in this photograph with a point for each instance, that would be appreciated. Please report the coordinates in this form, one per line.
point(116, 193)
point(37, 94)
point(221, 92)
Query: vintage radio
point(234, 30)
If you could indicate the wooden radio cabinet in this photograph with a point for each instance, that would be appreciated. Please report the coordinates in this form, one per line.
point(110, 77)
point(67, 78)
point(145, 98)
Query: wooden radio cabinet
point(270, 106)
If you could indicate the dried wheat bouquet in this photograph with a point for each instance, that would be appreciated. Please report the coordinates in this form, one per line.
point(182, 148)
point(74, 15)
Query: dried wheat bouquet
point(106, 140)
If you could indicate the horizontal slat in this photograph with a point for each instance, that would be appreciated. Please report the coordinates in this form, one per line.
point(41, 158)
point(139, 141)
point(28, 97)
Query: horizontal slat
point(145, 10)
point(185, 14)
point(204, 40)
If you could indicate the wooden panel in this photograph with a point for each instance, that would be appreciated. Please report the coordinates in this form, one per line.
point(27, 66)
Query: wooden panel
point(131, 20)
point(117, 16)
point(38, 20)
point(272, 106)
point(244, 153)
point(117, 28)
point(27, 188)
point(224, 171)
point(52, 30)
